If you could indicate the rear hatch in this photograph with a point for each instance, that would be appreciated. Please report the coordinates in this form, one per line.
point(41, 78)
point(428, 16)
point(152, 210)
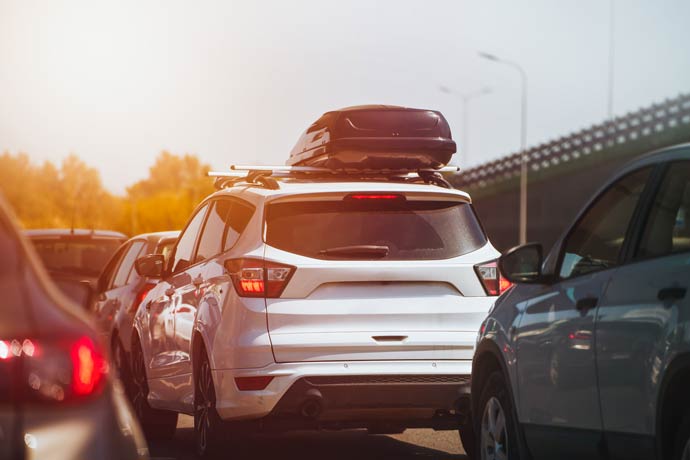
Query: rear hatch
point(377, 276)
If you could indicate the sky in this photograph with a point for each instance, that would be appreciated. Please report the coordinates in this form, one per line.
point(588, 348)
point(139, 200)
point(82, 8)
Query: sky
point(237, 82)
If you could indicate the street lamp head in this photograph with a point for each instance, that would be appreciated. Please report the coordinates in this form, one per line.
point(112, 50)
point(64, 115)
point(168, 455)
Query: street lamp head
point(486, 90)
point(444, 89)
point(488, 56)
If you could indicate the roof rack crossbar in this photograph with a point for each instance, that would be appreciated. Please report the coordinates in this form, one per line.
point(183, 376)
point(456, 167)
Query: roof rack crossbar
point(314, 169)
point(267, 176)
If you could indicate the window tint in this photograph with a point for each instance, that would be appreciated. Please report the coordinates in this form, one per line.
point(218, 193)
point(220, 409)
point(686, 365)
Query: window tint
point(127, 264)
point(374, 230)
point(85, 255)
point(108, 272)
point(668, 228)
point(165, 248)
point(239, 217)
point(185, 245)
point(211, 241)
point(596, 240)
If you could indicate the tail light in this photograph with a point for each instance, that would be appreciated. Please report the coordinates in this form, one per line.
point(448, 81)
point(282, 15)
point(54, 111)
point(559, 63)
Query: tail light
point(141, 295)
point(259, 278)
point(253, 383)
point(53, 370)
point(491, 278)
point(375, 196)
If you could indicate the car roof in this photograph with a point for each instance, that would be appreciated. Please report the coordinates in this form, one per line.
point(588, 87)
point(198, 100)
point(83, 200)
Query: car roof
point(288, 187)
point(676, 152)
point(157, 237)
point(77, 232)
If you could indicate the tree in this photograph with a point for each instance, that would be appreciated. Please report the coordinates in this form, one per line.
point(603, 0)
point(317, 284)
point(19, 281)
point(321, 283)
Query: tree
point(164, 200)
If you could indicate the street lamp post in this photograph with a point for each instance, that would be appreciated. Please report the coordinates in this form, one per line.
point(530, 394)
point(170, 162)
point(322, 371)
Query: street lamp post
point(465, 135)
point(523, 142)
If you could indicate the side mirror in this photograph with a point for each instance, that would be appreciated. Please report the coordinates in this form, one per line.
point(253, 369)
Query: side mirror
point(522, 264)
point(150, 266)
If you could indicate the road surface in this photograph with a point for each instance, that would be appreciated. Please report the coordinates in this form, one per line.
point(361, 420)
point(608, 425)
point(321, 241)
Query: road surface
point(356, 444)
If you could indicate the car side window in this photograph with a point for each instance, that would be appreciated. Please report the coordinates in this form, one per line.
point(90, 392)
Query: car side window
point(185, 244)
point(596, 240)
point(106, 277)
point(123, 271)
point(211, 241)
point(240, 215)
point(667, 230)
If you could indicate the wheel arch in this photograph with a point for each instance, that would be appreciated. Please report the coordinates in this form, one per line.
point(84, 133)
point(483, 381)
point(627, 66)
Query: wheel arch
point(487, 359)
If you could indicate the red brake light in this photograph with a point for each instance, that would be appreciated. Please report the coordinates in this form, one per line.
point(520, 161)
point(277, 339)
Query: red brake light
point(257, 278)
point(375, 196)
point(88, 366)
point(253, 383)
point(492, 280)
point(55, 370)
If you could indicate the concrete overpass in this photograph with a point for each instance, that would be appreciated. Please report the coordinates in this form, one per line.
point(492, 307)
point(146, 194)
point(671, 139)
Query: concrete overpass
point(564, 173)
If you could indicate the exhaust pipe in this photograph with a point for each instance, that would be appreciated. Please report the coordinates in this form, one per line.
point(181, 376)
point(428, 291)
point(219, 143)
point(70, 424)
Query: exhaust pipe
point(313, 404)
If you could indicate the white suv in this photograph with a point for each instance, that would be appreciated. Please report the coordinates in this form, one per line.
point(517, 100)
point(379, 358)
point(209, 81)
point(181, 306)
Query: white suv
point(315, 303)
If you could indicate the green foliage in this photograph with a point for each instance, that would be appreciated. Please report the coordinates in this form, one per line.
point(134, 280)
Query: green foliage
point(45, 196)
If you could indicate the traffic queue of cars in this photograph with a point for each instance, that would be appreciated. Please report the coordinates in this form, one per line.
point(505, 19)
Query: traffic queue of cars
point(58, 399)
point(355, 289)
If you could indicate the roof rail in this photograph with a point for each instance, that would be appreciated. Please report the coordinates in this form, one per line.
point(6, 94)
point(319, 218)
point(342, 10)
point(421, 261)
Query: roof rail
point(267, 176)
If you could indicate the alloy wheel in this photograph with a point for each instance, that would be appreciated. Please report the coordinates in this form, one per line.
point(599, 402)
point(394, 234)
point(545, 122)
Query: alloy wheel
point(140, 387)
point(494, 436)
point(205, 402)
point(686, 451)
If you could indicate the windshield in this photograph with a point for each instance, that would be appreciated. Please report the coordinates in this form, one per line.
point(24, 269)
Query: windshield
point(83, 256)
point(376, 230)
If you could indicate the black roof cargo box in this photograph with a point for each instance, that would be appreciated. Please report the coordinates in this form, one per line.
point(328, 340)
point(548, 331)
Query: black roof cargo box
point(377, 137)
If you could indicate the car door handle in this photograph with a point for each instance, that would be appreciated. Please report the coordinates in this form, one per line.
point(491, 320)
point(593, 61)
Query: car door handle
point(389, 338)
point(672, 293)
point(586, 303)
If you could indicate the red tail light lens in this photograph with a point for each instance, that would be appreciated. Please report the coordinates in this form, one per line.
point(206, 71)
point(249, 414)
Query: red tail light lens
point(55, 370)
point(491, 278)
point(253, 383)
point(258, 278)
point(141, 296)
point(375, 196)
point(88, 367)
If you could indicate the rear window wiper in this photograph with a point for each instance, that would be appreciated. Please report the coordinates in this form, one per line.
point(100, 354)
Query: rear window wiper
point(359, 250)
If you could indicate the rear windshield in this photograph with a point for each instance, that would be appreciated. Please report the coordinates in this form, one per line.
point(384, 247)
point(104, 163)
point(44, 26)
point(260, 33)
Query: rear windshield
point(85, 256)
point(374, 229)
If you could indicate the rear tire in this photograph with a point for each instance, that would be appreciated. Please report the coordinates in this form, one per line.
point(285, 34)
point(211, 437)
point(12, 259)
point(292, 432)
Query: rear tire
point(497, 432)
point(207, 422)
point(468, 438)
point(157, 424)
point(682, 447)
point(122, 366)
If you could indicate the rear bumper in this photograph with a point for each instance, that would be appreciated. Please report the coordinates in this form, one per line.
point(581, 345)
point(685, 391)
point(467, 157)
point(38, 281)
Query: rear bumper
point(348, 394)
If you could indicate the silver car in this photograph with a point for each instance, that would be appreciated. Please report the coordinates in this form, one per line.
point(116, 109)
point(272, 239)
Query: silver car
point(57, 399)
point(588, 356)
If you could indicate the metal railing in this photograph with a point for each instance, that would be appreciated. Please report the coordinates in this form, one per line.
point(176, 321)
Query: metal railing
point(630, 128)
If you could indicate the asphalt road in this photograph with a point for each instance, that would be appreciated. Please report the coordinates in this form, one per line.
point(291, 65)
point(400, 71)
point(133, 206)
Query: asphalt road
point(355, 444)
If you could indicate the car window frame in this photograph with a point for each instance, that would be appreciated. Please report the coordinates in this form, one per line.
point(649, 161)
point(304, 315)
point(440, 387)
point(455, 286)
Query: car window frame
point(114, 263)
point(662, 169)
point(631, 232)
point(241, 202)
point(170, 270)
point(119, 263)
point(212, 202)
